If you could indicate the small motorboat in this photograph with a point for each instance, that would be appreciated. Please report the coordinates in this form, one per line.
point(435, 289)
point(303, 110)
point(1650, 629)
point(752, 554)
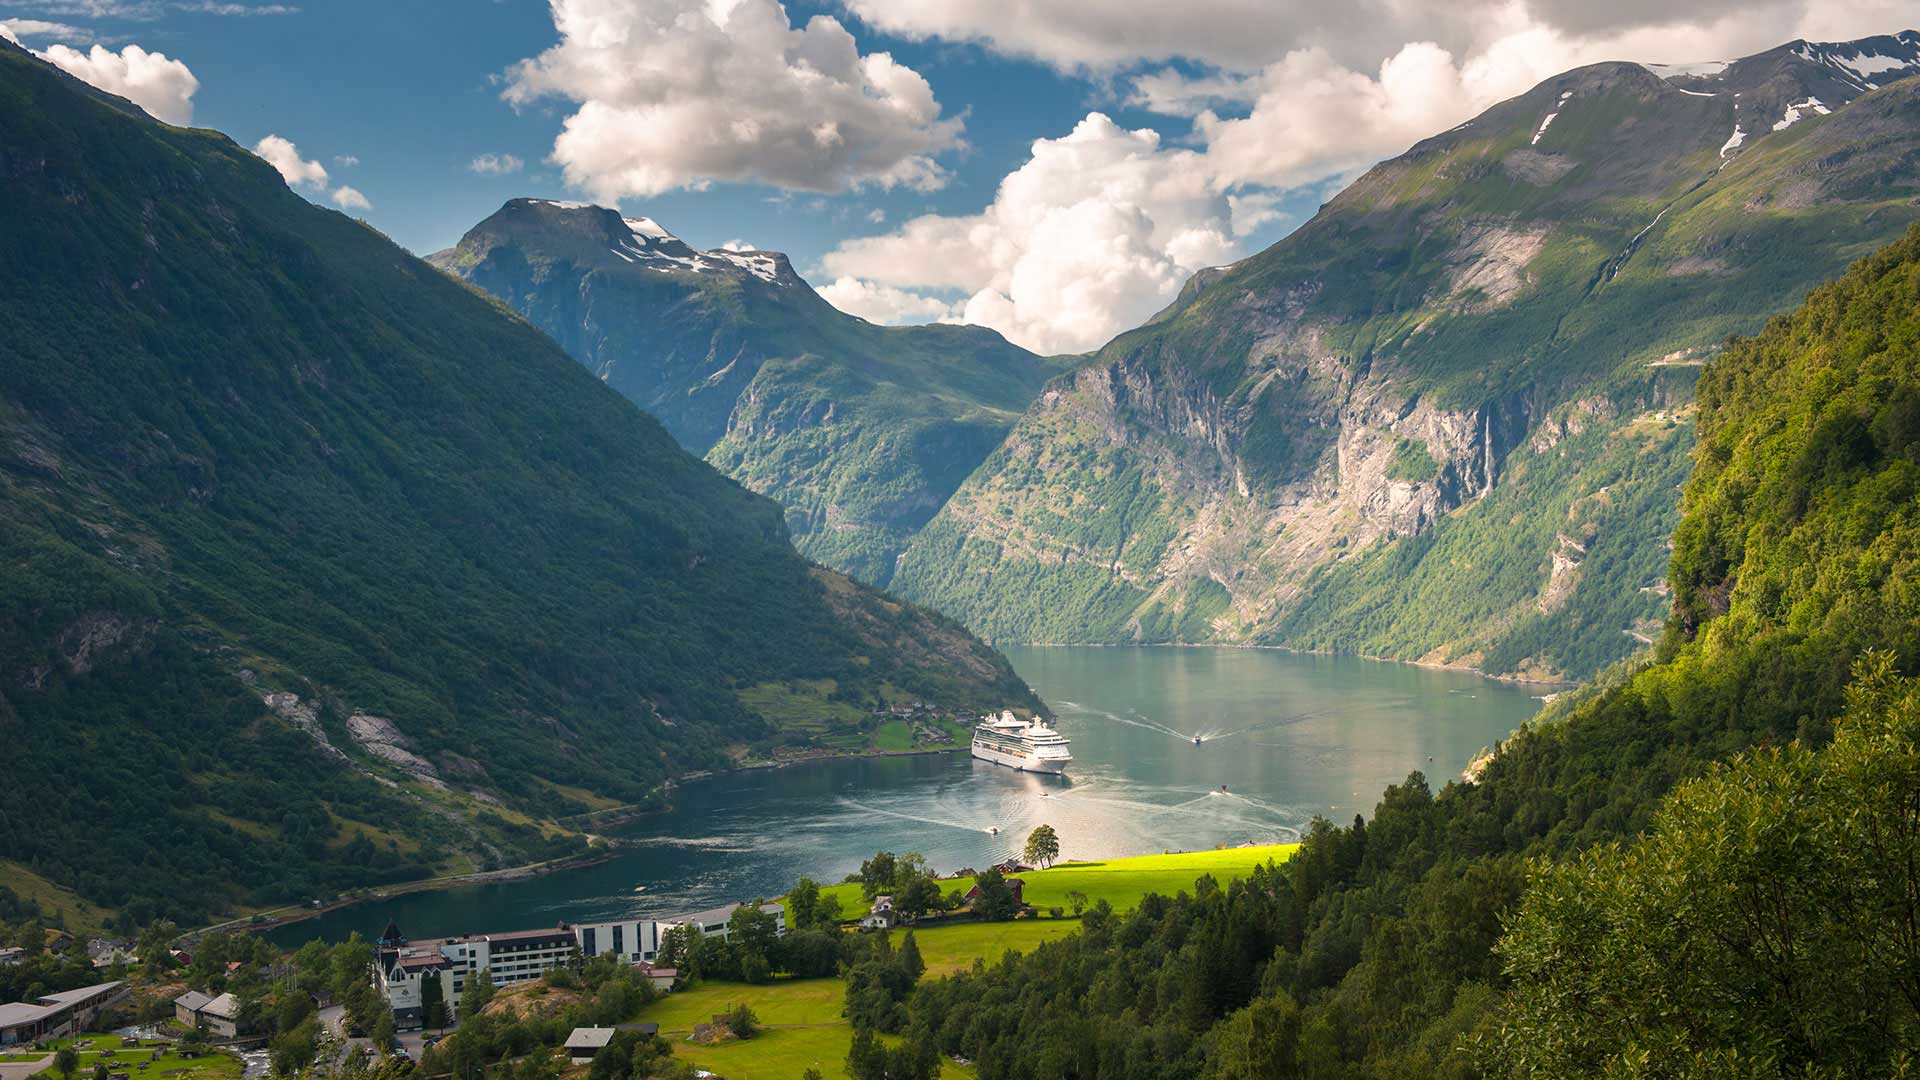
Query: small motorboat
point(1196, 740)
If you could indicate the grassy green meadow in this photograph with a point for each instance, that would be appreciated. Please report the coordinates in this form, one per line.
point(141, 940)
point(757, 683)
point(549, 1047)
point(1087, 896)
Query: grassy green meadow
point(803, 1027)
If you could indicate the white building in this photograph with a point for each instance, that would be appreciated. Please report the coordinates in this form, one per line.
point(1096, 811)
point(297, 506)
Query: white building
point(402, 967)
point(882, 916)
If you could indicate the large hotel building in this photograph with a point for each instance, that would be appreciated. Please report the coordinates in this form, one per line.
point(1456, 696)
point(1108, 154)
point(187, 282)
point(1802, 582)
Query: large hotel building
point(402, 967)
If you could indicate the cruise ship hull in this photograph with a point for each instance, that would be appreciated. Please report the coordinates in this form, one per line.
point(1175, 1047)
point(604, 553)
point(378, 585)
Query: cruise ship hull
point(1024, 762)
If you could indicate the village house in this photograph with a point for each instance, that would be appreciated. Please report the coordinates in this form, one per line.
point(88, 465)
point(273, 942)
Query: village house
point(881, 916)
point(218, 1015)
point(57, 1015)
point(1015, 885)
point(662, 978)
point(11, 955)
point(586, 1042)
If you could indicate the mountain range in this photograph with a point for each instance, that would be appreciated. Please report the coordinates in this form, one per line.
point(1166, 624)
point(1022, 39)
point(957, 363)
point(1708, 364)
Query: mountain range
point(860, 431)
point(318, 569)
point(1447, 419)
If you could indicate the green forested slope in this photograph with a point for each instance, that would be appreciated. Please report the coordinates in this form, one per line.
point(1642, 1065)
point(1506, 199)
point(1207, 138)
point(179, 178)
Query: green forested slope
point(859, 431)
point(1445, 420)
point(286, 515)
point(1371, 953)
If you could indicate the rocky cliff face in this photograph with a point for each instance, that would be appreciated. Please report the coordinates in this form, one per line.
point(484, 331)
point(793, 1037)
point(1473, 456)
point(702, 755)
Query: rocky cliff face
point(859, 431)
point(1446, 420)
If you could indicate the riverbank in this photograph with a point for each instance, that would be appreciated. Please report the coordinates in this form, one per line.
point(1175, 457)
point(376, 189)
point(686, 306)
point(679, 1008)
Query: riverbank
point(273, 918)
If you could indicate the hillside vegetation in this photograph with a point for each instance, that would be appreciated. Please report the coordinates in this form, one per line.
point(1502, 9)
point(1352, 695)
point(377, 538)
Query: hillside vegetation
point(1448, 418)
point(1372, 953)
point(318, 569)
point(860, 431)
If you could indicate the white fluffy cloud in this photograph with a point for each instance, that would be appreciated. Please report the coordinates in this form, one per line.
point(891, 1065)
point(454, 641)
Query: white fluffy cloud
point(1087, 238)
point(151, 80)
point(679, 93)
point(1246, 35)
point(1098, 229)
point(349, 198)
point(885, 303)
point(15, 29)
point(491, 164)
point(284, 156)
point(298, 172)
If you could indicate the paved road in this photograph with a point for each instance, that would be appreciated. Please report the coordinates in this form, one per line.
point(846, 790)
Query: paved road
point(20, 1070)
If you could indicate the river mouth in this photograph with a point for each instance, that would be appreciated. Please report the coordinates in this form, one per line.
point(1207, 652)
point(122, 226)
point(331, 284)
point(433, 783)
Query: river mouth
point(1283, 738)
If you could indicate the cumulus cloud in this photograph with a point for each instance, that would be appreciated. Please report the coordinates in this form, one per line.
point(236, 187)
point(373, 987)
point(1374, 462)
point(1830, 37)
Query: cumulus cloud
point(1087, 238)
point(346, 161)
point(680, 93)
point(1244, 35)
point(15, 29)
point(349, 198)
point(885, 303)
point(162, 86)
point(285, 157)
point(491, 164)
point(1099, 228)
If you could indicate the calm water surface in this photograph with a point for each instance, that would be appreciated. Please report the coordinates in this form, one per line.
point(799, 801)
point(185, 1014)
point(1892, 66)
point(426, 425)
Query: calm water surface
point(1284, 737)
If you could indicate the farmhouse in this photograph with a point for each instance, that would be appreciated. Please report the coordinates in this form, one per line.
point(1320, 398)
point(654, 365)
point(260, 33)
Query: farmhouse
point(882, 916)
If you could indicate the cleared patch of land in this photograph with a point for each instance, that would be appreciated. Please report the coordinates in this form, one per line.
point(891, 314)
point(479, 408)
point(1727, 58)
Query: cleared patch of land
point(1121, 882)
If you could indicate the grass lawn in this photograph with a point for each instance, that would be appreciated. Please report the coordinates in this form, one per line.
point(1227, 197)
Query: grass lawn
point(1122, 882)
point(894, 735)
point(135, 1061)
point(784, 1001)
point(803, 1028)
point(947, 949)
point(787, 1053)
point(12, 1058)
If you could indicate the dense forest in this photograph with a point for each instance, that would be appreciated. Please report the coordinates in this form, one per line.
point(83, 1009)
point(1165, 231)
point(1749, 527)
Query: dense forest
point(318, 568)
point(1680, 871)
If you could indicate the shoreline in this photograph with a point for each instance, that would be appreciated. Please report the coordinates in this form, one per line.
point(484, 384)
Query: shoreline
point(1459, 669)
point(615, 815)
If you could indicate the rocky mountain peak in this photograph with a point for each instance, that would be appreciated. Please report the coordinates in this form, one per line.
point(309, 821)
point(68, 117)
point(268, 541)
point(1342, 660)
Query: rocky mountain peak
point(604, 238)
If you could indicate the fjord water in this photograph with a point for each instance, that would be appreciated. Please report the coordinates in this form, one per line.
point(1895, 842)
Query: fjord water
point(1284, 737)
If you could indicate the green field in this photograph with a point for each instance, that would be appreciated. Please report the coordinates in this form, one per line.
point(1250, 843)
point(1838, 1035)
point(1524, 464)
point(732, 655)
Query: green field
point(1121, 882)
point(139, 1064)
point(804, 1028)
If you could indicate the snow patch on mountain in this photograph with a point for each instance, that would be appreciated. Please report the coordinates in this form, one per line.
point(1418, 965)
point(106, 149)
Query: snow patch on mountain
point(1799, 109)
point(1705, 69)
point(1733, 142)
point(1542, 130)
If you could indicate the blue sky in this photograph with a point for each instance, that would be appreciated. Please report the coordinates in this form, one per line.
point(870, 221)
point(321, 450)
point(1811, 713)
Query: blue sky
point(411, 89)
point(1257, 109)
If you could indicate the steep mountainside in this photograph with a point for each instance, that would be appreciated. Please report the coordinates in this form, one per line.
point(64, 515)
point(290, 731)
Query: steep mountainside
point(1448, 418)
point(318, 568)
point(860, 431)
point(1371, 953)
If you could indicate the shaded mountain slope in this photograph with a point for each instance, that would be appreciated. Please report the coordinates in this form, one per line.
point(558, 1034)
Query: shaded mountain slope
point(319, 568)
point(860, 431)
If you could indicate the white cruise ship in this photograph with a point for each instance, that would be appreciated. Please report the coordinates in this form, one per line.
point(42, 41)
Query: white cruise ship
point(1030, 747)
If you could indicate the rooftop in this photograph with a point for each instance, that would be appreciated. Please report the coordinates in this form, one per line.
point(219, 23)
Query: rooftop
point(589, 1038)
